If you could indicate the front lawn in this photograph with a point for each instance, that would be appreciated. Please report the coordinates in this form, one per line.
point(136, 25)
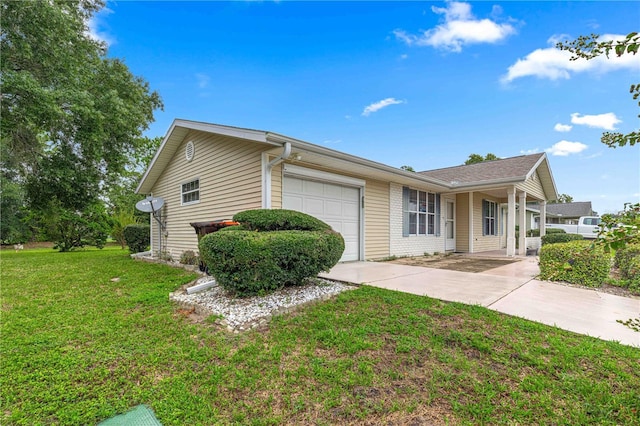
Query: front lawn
point(90, 334)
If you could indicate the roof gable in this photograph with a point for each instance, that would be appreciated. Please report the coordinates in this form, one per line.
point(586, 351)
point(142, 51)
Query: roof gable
point(577, 209)
point(513, 168)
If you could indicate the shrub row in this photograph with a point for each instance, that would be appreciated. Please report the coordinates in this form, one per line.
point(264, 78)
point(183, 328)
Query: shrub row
point(577, 262)
point(554, 231)
point(627, 260)
point(137, 237)
point(249, 263)
point(560, 237)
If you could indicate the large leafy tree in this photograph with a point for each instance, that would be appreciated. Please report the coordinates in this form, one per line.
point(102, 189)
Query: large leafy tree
point(589, 47)
point(72, 118)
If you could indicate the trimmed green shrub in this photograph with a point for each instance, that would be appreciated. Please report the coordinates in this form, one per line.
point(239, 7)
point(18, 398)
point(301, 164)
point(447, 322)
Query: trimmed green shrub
point(576, 262)
point(249, 263)
point(555, 231)
point(137, 237)
point(533, 233)
point(560, 237)
point(279, 220)
point(627, 260)
point(232, 228)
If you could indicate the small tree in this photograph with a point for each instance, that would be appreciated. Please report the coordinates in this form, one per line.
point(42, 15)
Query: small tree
point(120, 220)
point(562, 198)
point(75, 229)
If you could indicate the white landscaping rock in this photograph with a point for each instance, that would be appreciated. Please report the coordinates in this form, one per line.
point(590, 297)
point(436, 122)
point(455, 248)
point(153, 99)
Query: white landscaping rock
point(250, 312)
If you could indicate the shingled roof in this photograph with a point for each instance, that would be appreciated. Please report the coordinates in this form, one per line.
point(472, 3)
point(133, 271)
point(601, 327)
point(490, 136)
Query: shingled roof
point(577, 209)
point(514, 168)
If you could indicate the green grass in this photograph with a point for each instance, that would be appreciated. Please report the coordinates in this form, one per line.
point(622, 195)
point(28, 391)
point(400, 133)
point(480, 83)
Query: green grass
point(77, 348)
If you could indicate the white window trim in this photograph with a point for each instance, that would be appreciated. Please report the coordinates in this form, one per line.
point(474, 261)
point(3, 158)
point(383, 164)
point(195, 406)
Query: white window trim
point(183, 193)
point(426, 213)
point(494, 217)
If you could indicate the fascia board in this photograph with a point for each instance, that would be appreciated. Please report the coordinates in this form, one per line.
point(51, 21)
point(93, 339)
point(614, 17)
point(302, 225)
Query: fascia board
point(403, 174)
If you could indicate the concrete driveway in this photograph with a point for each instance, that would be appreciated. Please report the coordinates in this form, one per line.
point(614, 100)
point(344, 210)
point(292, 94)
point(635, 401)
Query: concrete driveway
point(510, 289)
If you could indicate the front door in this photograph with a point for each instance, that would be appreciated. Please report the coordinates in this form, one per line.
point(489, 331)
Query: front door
point(450, 225)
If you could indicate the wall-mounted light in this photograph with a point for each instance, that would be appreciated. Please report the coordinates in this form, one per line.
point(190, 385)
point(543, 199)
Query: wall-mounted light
point(296, 156)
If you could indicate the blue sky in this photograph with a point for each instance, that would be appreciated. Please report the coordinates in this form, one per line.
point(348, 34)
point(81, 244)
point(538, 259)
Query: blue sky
point(422, 84)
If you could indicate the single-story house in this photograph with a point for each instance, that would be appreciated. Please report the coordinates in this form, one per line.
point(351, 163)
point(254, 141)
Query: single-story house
point(207, 172)
point(568, 213)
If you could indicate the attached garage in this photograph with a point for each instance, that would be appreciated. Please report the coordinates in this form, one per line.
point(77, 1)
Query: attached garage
point(332, 198)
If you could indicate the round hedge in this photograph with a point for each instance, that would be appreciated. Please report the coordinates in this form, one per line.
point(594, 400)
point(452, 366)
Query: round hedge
point(249, 263)
point(137, 237)
point(576, 262)
point(264, 220)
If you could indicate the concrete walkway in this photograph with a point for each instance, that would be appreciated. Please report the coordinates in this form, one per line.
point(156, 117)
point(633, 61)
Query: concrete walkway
point(510, 289)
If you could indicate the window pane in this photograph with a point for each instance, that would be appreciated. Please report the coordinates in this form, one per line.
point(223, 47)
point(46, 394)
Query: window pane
point(450, 229)
point(432, 226)
point(423, 201)
point(423, 224)
point(432, 203)
point(412, 223)
point(413, 200)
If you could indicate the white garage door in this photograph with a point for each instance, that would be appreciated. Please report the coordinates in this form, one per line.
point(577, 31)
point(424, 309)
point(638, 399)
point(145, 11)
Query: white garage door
point(337, 205)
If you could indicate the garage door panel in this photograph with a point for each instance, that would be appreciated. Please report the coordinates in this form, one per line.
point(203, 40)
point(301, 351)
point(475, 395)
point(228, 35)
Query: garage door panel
point(349, 193)
point(333, 191)
point(313, 206)
point(350, 229)
point(333, 208)
point(294, 185)
point(313, 188)
point(350, 209)
point(336, 205)
point(293, 202)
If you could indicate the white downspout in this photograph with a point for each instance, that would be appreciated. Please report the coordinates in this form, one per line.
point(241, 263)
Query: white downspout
point(268, 167)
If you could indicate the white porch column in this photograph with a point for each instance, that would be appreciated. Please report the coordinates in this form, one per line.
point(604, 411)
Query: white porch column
point(511, 222)
point(543, 218)
point(522, 201)
point(470, 222)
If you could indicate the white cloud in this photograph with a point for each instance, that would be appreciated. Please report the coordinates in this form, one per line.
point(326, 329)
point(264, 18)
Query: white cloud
point(459, 28)
point(96, 29)
point(559, 127)
point(606, 121)
point(529, 151)
point(564, 148)
point(376, 106)
point(554, 64)
point(203, 80)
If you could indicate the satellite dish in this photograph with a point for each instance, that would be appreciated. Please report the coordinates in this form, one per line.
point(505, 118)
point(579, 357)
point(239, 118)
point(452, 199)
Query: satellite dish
point(150, 204)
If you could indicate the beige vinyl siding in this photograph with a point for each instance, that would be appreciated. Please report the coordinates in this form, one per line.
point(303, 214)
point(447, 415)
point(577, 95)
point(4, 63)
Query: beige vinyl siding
point(376, 219)
point(484, 242)
point(532, 187)
point(276, 186)
point(376, 212)
point(230, 173)
point(462, 222)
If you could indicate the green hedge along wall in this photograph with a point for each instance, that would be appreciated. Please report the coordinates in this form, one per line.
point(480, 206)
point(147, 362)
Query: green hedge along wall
point(577, 262)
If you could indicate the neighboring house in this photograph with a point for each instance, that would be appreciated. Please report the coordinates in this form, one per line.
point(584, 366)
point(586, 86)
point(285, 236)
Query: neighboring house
point(211, 172)
point(568, 213)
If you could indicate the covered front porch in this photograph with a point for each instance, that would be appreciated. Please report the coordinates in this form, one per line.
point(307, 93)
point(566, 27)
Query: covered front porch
point(495, 223)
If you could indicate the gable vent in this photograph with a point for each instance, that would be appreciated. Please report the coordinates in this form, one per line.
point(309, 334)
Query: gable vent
point(189, 150)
